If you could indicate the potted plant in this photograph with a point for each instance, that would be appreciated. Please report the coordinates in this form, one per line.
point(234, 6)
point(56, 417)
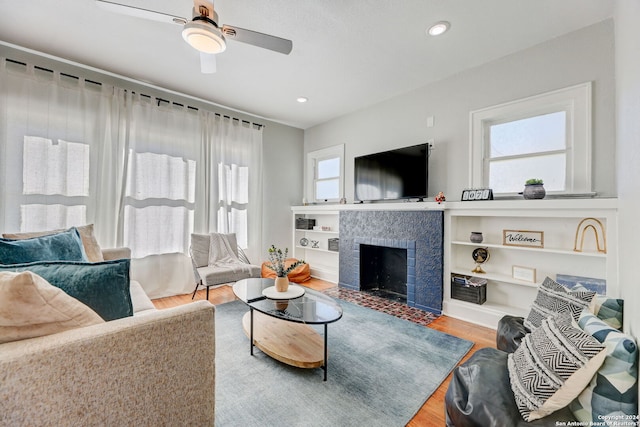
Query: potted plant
point(277, 263)
point(534, 189)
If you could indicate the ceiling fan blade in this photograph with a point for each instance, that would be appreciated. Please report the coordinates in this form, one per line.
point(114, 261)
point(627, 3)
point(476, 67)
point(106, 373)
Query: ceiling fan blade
point(207, 63)
point(140, 13)
point(255, 38)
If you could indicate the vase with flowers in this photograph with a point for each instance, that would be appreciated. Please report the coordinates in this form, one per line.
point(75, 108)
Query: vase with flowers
point(277, 263)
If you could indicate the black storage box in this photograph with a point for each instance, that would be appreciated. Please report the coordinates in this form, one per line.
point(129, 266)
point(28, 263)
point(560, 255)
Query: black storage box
point(334, 244)
point(462, 289)
point(305, 223)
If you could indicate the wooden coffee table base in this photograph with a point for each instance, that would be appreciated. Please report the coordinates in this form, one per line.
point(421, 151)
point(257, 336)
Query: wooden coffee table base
point(295, 344)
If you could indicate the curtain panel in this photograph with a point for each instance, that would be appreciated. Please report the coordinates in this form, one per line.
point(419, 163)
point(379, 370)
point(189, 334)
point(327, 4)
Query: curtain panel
point(146, 172)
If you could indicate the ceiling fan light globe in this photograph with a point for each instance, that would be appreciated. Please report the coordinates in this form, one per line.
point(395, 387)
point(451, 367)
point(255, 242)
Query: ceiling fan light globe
point(204, 38)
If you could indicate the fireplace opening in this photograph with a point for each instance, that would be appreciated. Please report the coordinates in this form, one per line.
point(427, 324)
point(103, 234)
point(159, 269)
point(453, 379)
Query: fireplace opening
point(383, 272)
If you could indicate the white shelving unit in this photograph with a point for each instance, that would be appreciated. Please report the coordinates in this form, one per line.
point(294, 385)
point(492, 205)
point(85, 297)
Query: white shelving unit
point(322, 261)
point(558, 219)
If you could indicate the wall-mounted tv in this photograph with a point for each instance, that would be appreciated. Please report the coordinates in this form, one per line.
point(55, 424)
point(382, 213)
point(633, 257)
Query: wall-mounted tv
point(391, 175)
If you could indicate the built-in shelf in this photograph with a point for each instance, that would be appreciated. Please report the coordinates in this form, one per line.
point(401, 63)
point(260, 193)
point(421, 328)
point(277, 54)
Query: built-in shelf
point(317, 231)
point(523, 248)
point(557, 219)
point(323, 262)
point(493, 276)
point(309, 248)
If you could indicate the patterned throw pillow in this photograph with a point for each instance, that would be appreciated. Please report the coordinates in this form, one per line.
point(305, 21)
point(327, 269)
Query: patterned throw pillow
point(609, 310)
point(613, 390)
point(552, 366)
point(553, 298)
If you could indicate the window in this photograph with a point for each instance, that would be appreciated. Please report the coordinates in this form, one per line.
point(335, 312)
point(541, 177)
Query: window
point(159, 203)
point(233, 201)
point(547, 137)
point(325, 174)
point(55, 184)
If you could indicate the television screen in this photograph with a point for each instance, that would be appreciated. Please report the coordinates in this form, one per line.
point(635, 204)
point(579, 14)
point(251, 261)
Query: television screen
point(390, 175)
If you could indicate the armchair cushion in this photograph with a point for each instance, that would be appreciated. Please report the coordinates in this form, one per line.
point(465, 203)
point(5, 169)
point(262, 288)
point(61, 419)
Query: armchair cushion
point(103, 286)
point(220, 275)
point(64, 246)
point(31, 307)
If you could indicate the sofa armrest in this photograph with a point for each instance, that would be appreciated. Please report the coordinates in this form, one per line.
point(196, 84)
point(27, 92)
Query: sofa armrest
point(116, 253)
point(143, 370)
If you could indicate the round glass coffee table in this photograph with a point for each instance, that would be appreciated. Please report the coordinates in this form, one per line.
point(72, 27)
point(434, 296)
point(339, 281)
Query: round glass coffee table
point(281, 327)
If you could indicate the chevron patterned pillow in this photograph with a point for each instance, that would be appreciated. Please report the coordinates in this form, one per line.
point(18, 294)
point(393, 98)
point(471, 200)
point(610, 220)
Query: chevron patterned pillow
point(553, 298)
point(552, 366)
point(613, 391)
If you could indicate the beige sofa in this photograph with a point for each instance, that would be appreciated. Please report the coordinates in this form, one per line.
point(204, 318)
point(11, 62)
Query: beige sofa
point(155, 368)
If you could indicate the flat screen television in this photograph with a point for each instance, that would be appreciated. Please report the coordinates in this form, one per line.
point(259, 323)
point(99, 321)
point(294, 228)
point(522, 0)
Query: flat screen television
point(391, 175)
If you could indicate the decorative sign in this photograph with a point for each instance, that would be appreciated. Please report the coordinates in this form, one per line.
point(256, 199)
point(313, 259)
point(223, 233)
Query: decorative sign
point(525, 274)
point(477, 194)
point(529, 239)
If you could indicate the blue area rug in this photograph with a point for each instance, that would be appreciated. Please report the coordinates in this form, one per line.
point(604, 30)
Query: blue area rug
point(381, 371)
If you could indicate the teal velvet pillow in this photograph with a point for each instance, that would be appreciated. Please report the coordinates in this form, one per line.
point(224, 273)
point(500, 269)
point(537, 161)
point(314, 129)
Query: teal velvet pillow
point(64, 246)
point(103, 286)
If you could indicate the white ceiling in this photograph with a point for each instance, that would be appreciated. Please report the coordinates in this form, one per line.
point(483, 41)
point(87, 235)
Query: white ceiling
point(347, 54)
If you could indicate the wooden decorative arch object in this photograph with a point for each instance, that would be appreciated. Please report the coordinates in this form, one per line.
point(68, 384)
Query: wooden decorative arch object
point(598, 230)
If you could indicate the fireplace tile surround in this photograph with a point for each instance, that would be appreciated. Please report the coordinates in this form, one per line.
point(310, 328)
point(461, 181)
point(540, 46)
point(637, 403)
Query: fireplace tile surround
point(420, 232)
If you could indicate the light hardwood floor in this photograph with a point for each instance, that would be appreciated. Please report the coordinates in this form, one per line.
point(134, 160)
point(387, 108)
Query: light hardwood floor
point(432, 412)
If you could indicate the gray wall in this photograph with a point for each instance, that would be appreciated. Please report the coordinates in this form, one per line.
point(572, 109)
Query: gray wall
point(282, 183)
point(581, 56)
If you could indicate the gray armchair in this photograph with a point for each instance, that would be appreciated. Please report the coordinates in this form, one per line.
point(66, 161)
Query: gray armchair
point(228, 264)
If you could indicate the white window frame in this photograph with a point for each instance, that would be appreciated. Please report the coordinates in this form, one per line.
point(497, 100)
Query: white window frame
point(313, 157)
point(574, 100)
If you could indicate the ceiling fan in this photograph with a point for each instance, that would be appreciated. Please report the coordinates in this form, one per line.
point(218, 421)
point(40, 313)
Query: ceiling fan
point(203, 33)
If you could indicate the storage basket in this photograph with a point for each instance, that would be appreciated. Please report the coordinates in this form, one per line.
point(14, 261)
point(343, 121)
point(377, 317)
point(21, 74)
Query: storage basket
point(334, 244)
point(305, 223)
point(463, 289)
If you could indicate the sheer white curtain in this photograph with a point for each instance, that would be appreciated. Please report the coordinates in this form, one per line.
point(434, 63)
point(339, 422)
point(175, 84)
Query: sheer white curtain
point(51, 137)
point(157, 218)
point(234, 180)
point(146, 172)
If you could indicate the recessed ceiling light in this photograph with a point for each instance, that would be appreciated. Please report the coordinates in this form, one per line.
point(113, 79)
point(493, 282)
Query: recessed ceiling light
point(438, 28)
point(302, 99)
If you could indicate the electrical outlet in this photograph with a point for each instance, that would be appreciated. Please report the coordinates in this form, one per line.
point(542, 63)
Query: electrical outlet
point(430, 121)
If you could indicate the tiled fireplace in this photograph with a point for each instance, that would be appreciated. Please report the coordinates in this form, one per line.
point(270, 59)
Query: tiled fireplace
point(414, 237)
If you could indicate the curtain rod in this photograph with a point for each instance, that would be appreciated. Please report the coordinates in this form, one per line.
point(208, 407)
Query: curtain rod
point(258, 125)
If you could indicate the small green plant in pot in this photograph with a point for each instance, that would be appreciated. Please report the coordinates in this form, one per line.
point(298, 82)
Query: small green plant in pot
point(277, 263)
point(534, 189)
